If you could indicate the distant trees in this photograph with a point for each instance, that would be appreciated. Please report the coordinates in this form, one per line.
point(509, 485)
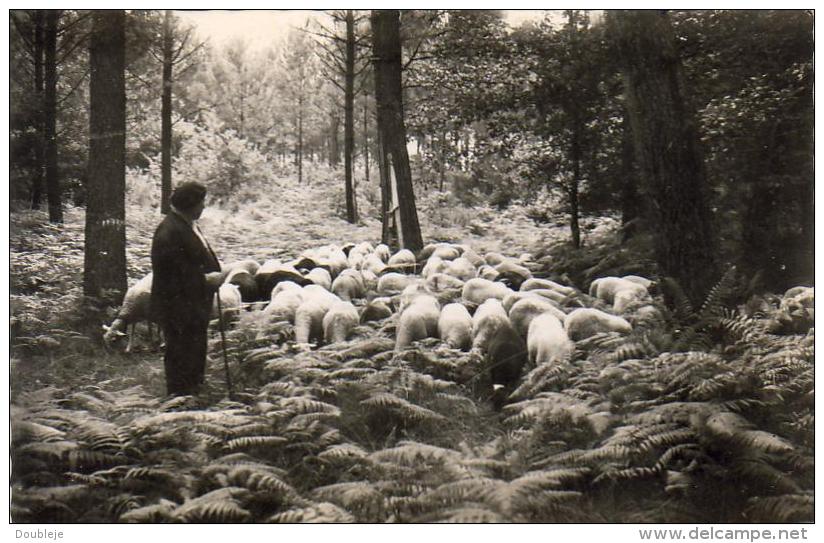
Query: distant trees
point(105, 236)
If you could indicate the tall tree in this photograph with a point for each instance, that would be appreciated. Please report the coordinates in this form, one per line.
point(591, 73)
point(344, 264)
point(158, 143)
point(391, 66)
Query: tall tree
point(666, 145)
point(105, 250)
point(387, 59)
point(166, 115)
point(50, 115)
point(38, 50)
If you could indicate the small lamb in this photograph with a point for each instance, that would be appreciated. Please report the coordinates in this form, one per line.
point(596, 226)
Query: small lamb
point(135, 308)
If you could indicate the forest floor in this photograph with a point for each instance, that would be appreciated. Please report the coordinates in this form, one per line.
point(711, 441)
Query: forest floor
point(706, 417)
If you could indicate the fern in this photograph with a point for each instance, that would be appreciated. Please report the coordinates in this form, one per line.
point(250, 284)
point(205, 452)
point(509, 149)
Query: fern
point(252, 442)
point(784, 508)
point(321, 513)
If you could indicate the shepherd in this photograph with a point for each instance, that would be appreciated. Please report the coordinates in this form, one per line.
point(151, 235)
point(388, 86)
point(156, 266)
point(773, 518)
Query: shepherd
point(186, 276)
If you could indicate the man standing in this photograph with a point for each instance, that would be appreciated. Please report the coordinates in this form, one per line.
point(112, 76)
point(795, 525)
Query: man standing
point(186, 275)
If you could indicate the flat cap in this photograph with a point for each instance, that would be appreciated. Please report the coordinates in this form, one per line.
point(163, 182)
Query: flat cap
point(188, 195)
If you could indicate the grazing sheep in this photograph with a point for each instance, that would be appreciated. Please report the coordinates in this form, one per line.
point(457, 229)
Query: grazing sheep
point(249, 265)
point(321, 277)
point(511, 299)
point(586, 322)
point(376, 310)
point(373, 263)
point(626, 299)
point(487, 272)
point(605, 288)
point(231, 302)
point(524, 311)
point(446, 251)
point(135, 308)
point(339, 322)
point(284, 305)
point(418, 320)
point(512, 273)
point(434, 264)
point(461, 268)
point(349, 285)
point(273, 272)
point(455, 326)
point(493, 258)
point(440, 281)
point(477, 290)
point(382, 251)
point(473, 257)
point(488, 318)
point(403, 260)
point(535, 283)
point(245, 282)
point(547, 340)
point(284, 285)
point(309, 314)
point(408, 294)
point(643, 281)
point(393, 283)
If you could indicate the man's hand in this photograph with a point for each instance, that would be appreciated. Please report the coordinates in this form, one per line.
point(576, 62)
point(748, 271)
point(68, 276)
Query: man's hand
point(214, 279)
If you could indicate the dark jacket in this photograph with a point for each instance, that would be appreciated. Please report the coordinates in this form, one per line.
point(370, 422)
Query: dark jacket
point(180, 295)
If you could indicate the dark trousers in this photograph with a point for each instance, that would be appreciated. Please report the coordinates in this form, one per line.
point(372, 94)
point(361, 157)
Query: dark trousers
point(185, 358)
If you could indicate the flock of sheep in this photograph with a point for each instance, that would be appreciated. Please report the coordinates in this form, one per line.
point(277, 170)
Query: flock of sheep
point(488, 304)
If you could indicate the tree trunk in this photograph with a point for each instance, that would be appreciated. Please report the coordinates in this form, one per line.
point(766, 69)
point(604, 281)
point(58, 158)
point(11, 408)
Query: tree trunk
point(50, 116)
point(386, 192)
point(334, 142)
point(574, 183)
point(105, 251)
point(349, 116)
point(39, 150)
point(666, 145)
point(389, 98)
point(300, 140)
point(630, 199)
point(166, 117)
point(366, 137)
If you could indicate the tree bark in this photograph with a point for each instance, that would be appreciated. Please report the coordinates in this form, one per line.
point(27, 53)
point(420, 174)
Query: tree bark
point(105, 250)
point(666, 145)
point(630, 199)
point(349, 117)
point(366, 137)
point(388, 95)
point(166, 117)
point(50, 115)
point(574, 183)
point(39, 147)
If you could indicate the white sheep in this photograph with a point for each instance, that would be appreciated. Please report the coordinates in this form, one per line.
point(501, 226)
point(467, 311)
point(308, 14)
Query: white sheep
point(547, 340)
point(487, 320)
point(536, 283)
point(524, 311)
point(403, 260)
point(320, 276)
point(461, 268)
point(136, 308)
point(349, 285)
point(586, 321)
point(339, 322)
point(231, 302)
point(418, 320)
point(393, 283)
point(455, 326)
point(309, 314)
point(477, 290)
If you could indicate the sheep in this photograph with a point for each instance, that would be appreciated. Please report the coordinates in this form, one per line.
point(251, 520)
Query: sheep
point(403, 260)
point(493, 259)
point(487, 272)
point(136, 308)
point(511, 299)
point(547, 340)
point(440, 281)
point(393, 283)
point(373, 263)
point(605, 288)
point(488, 318)
point(625, 299)
point(408, 294)
point(418, 320)
point(339, 322)
point(524, 311)
point(446, 251)
point(473, 257)
point(284, 285)
point(320, 276)
point(376, 310)
point(512, 273)
point(535, 283)
point(643, 281)
point(461, 268)
point(245, 282)
point(455, 326)
point(586, 322)
point(309, 314)
point(230, 301)
point(284, 305)
point(434, 264)
point(249, 265)
point(477, 290)
point(273, 272)
point(349, 285)
point(382, 251)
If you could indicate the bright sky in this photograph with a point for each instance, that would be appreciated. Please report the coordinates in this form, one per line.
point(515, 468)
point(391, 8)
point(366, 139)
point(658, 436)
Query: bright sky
point(262, 28)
